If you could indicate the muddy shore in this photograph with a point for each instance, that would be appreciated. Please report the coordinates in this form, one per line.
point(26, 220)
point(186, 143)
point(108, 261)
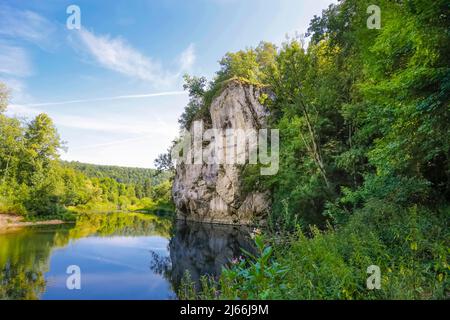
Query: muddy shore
point(9, 221)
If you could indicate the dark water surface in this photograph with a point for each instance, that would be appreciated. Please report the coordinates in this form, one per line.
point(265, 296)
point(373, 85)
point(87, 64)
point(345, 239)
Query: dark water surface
point(121, 256)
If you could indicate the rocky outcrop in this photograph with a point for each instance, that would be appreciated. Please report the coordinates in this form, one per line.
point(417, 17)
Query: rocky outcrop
point(212, 191)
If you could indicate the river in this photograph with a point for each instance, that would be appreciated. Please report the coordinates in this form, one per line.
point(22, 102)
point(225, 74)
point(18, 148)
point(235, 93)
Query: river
point(119, 256)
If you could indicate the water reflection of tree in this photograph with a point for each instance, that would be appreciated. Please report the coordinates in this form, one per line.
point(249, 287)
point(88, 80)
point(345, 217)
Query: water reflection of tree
point(24, 260)
point(24, 255)
point(121, 224)
point(160, 265)
point(19, 282)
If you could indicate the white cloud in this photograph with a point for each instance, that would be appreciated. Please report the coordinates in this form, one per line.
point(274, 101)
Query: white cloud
point(21, 111)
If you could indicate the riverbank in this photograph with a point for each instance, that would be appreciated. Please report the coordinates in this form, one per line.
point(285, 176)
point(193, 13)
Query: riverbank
point(9, 221)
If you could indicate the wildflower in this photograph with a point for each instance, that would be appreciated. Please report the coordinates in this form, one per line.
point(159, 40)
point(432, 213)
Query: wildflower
point(256, 232)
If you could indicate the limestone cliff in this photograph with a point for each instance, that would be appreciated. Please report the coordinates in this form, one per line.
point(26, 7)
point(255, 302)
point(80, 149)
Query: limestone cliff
point(213, 192)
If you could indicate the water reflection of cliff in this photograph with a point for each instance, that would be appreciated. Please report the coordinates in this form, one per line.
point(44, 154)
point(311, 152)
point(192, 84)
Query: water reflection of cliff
point(203, 249)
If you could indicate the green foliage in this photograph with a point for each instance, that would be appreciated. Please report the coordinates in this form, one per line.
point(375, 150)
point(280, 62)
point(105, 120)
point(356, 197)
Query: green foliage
point(187, 290)
point(28, 163)
point(112, 188)
point(164, 162)
point(196, 107)
point(409, 245)
point(364, 154)
point(251, 65)
point(252, 278)
point(3, 97)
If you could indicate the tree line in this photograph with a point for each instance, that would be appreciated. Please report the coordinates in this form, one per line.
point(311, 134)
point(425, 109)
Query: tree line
point(34, 181)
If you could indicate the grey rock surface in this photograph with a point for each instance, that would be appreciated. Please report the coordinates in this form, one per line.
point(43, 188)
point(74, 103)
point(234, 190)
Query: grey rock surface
point(213, 192)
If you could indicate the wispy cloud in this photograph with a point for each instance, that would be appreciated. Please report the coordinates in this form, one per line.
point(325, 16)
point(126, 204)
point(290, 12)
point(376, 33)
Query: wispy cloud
point(22, 111)
point(26, 25)
point(15, 65)
point(112, 143)
point(16, 27)
point(135, 147)
point(109, 125)
point(14, 61)
point(112, 125)
point(187, 58)
point(135, 96)
point(117, 55)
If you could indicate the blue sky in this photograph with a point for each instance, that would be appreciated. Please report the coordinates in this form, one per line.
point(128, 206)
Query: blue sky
point(114, 87)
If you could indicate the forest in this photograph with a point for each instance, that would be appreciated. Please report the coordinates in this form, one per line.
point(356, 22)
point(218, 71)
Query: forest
point(35, 183)
point(364, 172)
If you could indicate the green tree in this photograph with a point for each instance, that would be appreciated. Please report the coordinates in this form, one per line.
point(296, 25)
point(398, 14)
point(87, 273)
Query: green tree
point(11, 146)
point(42, 144)
point(196, 88)
point(4, 95)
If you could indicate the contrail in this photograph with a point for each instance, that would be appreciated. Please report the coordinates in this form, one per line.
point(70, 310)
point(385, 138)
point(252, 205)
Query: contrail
point(112, 143)
point(135, 96)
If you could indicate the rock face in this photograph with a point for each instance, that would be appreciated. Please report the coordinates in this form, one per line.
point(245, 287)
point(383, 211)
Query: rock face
point(212, 191)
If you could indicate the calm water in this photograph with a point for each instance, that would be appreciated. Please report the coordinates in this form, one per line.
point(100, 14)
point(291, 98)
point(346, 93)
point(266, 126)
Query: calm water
point(121, 256)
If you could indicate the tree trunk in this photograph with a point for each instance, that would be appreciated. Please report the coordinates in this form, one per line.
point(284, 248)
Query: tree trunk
point(315, 148)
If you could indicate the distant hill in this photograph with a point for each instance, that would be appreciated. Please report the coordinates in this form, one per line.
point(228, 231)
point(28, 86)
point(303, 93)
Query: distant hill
point(125, 175)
